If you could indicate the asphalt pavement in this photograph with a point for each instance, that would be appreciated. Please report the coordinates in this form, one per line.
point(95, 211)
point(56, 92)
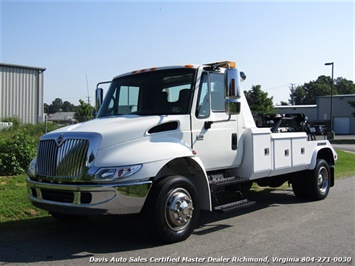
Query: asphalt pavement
point(278, 230)
point(342, 142)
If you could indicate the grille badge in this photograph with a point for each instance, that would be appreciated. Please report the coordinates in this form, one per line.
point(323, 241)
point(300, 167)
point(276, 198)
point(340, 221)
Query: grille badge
point(59, 141)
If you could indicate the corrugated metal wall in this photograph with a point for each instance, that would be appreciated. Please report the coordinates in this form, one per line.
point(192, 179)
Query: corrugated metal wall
point(21, 93)
point(341, 110)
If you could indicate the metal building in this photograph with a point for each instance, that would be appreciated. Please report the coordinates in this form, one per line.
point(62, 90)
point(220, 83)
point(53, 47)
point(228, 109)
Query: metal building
point(21, 92)
point(308, 110)
point(343, 120)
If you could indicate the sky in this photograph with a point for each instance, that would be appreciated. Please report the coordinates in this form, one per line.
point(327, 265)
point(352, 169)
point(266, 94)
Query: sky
point(80, 43)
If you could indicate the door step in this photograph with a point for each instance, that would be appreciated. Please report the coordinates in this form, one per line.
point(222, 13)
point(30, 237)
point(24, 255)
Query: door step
point(234, 205)
point(227, 181)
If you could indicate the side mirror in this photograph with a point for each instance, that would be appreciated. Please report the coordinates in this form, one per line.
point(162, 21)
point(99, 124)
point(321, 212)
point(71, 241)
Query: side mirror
point(232, 83)
point(232, 89)
point(232, 106)
point(98, 98)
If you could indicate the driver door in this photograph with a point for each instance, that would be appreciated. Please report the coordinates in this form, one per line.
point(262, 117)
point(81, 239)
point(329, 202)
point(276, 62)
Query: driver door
point(214, 137)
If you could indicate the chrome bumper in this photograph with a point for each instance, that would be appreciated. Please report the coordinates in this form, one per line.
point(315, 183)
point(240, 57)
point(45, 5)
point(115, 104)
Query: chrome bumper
point(125, 198)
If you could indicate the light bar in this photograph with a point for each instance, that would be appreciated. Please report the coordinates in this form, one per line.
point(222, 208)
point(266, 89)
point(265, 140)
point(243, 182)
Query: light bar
point(225, 64)
point(144, 70)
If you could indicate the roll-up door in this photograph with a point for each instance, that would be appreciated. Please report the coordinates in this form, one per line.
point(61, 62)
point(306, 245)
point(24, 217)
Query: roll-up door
point(342, 125)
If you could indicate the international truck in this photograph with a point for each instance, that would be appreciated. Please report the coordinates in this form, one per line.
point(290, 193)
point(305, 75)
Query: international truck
point(168, 142)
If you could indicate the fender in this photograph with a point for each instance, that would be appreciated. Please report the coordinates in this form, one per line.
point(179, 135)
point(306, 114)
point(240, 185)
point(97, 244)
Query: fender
point(192, 168)
point(327, 152)
point(169, 152)
point(201, 181)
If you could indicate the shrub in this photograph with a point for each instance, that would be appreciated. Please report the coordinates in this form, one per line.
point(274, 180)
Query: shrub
point(17, 152)
point(18, 146)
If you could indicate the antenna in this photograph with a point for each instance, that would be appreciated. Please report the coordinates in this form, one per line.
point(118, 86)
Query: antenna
point(87, 88)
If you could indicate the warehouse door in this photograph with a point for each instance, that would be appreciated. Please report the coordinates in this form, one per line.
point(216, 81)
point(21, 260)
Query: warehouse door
point(342, 125)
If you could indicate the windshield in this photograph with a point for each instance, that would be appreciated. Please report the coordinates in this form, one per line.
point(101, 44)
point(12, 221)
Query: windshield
point(150, 93)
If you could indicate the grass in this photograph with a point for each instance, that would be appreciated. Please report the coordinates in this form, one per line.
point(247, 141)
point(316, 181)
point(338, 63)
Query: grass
point(342, 141)
point(15, 206)
point(345, 164)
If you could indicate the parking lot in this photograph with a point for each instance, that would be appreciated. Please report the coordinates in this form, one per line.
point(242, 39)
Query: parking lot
point(278, 229)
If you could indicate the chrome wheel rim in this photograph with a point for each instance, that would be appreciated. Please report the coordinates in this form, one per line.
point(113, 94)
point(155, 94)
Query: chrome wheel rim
point(323, 179)
point(179, 209)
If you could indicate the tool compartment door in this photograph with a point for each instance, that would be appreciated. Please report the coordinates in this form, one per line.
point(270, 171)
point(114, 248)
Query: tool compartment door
point(299, 151)
point(262, 152)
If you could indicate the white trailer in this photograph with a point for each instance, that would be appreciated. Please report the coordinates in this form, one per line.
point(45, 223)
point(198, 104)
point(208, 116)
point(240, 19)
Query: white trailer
point(169, 142)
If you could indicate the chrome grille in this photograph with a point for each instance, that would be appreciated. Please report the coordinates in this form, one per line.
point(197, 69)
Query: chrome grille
point(67, 160)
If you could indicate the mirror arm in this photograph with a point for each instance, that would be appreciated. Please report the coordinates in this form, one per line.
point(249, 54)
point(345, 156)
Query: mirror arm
point(208, 124)
point(99, 95)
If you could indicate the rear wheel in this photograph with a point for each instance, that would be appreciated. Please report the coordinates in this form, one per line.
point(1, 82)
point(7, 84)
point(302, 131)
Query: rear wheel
point(319, 181)
point(313, 184)
point(174, 208)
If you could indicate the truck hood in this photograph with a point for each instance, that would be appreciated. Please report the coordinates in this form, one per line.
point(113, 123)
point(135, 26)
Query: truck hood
point(118, 130)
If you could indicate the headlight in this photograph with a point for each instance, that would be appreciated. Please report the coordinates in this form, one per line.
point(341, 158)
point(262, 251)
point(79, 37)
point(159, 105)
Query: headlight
point(31, 171)
point(117, 173)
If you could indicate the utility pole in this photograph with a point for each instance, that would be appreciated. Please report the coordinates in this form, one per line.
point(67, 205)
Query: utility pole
point(331, 133)
point(87, 88)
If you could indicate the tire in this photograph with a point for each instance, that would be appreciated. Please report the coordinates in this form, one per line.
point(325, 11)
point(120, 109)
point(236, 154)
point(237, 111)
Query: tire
point(299, 187)
point(174, 209)
point(319, 181)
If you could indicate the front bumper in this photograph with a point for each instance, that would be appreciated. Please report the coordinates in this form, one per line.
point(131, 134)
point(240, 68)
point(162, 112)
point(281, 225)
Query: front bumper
point(86, 199)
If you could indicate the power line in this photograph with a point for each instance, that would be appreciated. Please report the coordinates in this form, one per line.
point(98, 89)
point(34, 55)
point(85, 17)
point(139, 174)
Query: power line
point(280, 86)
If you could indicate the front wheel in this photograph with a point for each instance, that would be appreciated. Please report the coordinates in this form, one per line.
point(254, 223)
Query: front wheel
point(174, 208)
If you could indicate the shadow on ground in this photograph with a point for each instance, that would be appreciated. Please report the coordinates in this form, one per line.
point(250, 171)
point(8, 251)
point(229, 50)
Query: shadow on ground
point(45, 239)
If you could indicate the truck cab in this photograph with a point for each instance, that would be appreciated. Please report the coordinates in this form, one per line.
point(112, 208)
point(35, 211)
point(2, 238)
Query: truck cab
point(168, 142)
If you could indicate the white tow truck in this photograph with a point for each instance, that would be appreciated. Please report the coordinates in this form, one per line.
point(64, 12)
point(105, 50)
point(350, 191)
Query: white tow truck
point(169, 142)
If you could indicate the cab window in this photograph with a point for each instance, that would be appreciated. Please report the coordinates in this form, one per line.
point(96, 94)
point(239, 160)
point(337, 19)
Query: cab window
point(211, 96)
point(217, 92)
point(203, 106)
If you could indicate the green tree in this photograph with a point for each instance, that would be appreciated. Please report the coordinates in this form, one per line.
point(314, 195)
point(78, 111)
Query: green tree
point(68, 107)
point(344, 86)
point(283, 103)
point(56, 106)
point(59, 106)
point(314, 89)
point(46, 108)
point(297, 95)
point(84, 111)
point(308, 92)
point(258, 100)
